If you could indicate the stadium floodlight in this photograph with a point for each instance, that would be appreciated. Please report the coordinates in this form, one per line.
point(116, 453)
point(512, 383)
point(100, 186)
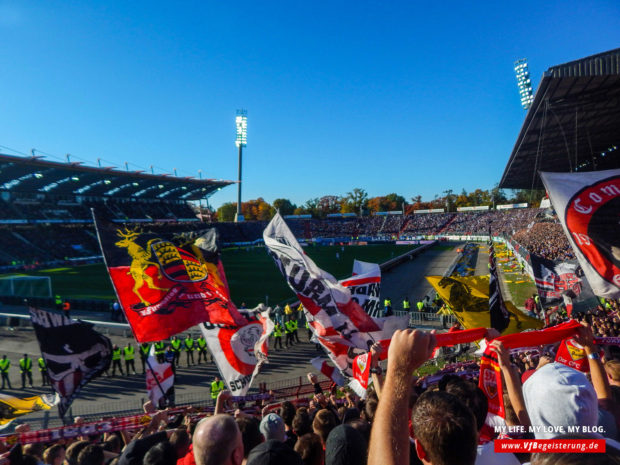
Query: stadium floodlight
point(241, 122)
point(524, 82)
point(242, 128)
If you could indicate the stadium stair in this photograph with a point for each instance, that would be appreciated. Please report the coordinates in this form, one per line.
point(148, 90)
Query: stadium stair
point(447, 225)
point(30, 244)
point(404, 226)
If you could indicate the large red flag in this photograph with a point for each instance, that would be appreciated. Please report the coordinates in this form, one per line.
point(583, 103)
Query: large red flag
point(166, 284)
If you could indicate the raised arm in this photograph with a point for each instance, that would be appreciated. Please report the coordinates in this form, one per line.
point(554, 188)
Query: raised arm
point(389, 440)
point(513, 383)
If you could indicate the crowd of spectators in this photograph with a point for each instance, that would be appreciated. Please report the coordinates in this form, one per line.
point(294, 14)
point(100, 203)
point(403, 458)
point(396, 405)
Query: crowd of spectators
point(545, 239)
point(435, 419)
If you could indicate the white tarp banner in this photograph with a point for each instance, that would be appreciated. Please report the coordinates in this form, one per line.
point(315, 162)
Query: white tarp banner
point(588, 205)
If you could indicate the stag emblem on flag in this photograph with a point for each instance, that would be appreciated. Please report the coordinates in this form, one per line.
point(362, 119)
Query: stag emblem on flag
point(141, 259)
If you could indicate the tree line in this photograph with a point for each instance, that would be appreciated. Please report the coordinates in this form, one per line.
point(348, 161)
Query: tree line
point(358, 202)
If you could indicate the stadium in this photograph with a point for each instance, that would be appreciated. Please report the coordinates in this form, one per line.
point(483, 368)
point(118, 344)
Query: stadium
point(51, 256)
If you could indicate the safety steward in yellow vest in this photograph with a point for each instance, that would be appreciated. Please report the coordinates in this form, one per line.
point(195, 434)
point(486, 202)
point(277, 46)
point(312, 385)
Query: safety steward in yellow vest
point(145, 348)
point(216, 387)
point(189, 349)
point(277, 336)
point(160, 347)
point(295, 328)
point(387, 307)
point(5, 364)
point(116, 360)
point(45, 379)
point(25, 368)
point(201, 346)
point(288, 331)
point(175, 344)
point(129, 355)
point(406, 304)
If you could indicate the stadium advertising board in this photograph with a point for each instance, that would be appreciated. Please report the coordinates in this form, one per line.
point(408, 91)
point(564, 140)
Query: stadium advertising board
point(509, 206)
point(473, 209)
point(432, 210)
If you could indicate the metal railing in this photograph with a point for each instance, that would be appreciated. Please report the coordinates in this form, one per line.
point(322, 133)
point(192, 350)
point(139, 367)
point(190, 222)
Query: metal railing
point(427, 319)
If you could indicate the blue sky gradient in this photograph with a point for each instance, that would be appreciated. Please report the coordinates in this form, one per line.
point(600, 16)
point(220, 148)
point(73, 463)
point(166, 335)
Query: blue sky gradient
point(402, 96)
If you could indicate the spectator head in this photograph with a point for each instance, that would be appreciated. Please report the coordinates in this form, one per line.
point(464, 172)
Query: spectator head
point(612, 368)
point(36, 450)
point(74, 450)
point(273, 452)
point(54, 455)
point(287, 413)
point(370, 409)
point(472, 396)
point(112, 444)
point(445, 430)
point(310, 448)
point(162, 453)
point(324, 421)
point(557, 395)
point(250, 433)
point(29, 460)
point(217, 441)
point(180, 441)
point(301, 423)
point(350, 414)
point(345, 446)
point(92, 454)
point(272, 427)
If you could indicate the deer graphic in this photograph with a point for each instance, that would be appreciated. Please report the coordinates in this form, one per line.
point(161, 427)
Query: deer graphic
point(140, 261)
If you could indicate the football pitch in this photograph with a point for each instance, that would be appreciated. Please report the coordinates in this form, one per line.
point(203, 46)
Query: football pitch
point(252, 275)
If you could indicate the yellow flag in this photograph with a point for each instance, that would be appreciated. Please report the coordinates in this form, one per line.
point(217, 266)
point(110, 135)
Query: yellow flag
point(468, 297)
point(13, 407)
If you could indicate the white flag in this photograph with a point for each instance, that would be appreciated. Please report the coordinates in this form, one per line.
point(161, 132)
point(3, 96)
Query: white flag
point(588, 205)
point(165, 377)
point(239, 351)
point(333, 310)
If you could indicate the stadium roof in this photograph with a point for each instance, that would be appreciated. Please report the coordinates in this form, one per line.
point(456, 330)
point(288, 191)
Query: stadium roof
point(34, 174)
point(573, 123)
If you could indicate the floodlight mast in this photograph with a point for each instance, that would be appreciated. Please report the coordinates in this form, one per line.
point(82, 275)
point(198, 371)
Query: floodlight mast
point(241, 122)
point(524, 82)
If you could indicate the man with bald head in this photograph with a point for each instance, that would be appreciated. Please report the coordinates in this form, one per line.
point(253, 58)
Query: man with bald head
point(217, 441)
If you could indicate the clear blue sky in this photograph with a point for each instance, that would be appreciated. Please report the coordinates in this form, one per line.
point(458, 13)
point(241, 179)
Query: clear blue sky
point(401, 96)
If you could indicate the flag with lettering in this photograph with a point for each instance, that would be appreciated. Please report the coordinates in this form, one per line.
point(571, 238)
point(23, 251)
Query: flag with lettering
point(588, 206)
point(166, 283)
point(365, 287)
point(328, 301)
point(73, 351)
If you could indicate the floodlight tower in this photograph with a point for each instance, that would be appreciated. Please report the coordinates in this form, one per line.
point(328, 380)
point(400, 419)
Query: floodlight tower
point(242, 138)
point(524, 82)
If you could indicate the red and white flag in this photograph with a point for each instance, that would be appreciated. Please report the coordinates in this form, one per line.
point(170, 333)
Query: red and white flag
point(329, 302)
point(588, 206)
point(324, 367)
point(239, 351)
point(361, 373)
point(365, 286)
point(159, 381)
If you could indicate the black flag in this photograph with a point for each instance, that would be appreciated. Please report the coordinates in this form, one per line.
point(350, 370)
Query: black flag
point(500, 317)
point(73, 351)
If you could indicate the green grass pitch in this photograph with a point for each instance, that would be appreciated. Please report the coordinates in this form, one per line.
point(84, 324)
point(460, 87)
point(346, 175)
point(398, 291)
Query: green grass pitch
point(252, 275)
